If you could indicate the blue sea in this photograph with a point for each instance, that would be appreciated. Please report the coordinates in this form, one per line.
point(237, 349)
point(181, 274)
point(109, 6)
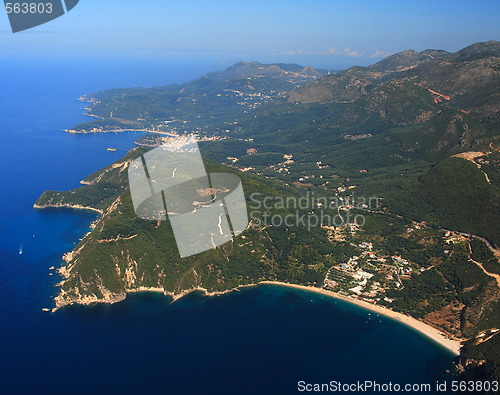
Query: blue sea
point(260, 340)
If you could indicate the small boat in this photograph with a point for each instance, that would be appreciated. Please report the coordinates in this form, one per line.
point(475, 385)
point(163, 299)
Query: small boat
point(111, 149)
point(21, 249)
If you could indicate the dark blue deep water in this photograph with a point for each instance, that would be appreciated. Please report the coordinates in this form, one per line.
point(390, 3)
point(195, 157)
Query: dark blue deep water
point(260, 340)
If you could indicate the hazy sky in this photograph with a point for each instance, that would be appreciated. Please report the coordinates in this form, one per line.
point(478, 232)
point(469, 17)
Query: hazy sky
point(325, 33)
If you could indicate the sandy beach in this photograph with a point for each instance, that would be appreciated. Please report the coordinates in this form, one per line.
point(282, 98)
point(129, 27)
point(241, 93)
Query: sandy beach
point(427, 330)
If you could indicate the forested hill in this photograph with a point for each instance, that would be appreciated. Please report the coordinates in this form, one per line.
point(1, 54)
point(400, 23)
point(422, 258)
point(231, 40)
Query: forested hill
point(417, 130)
point(211, 99)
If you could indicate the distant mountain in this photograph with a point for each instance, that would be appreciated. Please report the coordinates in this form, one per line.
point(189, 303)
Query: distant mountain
point(467, 81)
point(395, 63)
point(242, 70)
point(147, 108)
point(437, 105)
point(406, 59)
point(418, 131)
point(477, 51)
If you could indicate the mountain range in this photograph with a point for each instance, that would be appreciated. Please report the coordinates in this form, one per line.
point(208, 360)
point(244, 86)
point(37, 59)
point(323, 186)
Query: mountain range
point(417, 130)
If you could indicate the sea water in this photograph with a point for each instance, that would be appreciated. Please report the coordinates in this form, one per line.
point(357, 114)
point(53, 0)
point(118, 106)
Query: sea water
point(259, 340)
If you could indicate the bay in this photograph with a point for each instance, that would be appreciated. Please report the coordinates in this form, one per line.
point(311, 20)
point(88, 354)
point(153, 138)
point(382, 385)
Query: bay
point(258, 340)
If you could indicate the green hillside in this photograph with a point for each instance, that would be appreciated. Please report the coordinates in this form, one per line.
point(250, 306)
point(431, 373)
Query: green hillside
point(390, 132)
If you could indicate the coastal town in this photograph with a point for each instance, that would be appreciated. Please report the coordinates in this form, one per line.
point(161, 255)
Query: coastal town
point(369, 274)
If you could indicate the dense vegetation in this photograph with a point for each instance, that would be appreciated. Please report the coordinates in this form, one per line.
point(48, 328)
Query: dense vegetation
point(390, 131)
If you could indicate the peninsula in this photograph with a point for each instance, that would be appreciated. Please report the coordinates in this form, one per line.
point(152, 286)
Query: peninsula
point(409, 132)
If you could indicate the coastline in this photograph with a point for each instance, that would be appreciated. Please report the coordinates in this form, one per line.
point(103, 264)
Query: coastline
point(434, 334)
point(73, 206)
point(425, 329)
point(175, 297)
point(421, 327)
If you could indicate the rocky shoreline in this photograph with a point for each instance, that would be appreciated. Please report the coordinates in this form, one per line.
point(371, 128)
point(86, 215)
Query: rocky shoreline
point(67, 205)
point(111, 298)
point(443, 339)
